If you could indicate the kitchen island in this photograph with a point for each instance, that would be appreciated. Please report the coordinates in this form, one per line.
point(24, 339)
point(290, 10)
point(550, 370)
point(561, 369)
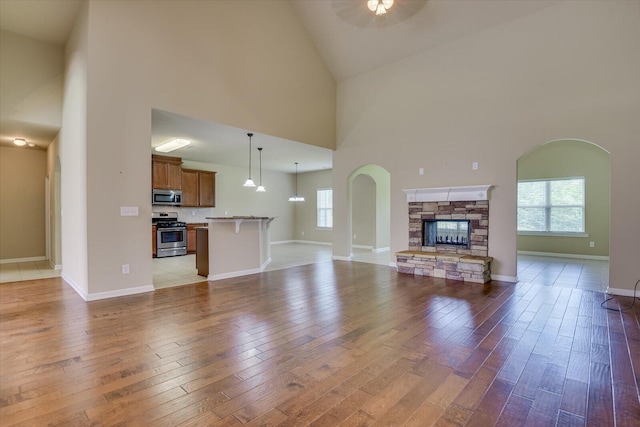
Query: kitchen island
point(238, 245)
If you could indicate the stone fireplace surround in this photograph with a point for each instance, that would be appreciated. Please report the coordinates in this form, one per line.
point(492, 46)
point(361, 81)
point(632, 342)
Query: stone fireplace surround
point(442, 260)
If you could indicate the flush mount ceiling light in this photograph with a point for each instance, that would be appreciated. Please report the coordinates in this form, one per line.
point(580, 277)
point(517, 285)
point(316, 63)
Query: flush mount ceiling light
point(380, 7)
point(296, 197)
point(20, 142)
point(174, 144)
point(260, 187)
point(249, 182)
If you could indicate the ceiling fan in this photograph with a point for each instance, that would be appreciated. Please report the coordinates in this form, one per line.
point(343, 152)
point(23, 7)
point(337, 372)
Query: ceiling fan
point(376, 13)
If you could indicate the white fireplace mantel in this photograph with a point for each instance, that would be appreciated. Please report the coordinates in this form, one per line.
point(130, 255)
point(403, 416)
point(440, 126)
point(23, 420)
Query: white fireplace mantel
point(448, 194)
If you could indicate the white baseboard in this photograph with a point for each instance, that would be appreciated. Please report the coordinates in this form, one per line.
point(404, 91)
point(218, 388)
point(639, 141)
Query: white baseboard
point(393, 264)
point(385, 249)
point(282, 242)
point(557, 255)
point(265, 264)
point(214, 277)
point(622, 292)
point(104, 295)
point(501, 278)
point(311, 242)
point(57, 267)
point(29, 259)
point(341, 258)
point(367, 247)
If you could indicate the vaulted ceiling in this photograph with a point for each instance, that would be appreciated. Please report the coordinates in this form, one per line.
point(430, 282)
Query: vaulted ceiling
point(350, 38)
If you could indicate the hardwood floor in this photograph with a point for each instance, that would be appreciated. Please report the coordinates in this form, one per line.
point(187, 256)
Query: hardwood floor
point(327, 344)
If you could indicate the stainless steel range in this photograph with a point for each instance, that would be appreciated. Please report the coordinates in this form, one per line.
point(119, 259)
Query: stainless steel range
point(171, 234)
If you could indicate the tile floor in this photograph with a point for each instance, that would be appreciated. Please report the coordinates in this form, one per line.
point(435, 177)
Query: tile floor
point(167, 272)
point(29, 270)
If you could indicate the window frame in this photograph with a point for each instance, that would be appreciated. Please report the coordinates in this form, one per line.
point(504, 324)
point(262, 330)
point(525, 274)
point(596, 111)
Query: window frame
point(329, 210)
point(548, 206)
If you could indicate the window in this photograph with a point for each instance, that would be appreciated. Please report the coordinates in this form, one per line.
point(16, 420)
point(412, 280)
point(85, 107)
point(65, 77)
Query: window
point(325, 208)
point(551, 206)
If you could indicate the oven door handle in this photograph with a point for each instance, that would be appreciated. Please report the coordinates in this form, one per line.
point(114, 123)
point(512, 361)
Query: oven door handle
point(172, 229)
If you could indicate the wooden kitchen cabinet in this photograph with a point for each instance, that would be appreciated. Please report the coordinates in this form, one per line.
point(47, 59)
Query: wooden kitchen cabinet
point(198, 188)
point(191, 236)
point(166, 172)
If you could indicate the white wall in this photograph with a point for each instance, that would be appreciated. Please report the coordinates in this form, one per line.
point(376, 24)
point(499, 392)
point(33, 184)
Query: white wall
point(73, 155)
point(566, 71)
point(241, 63)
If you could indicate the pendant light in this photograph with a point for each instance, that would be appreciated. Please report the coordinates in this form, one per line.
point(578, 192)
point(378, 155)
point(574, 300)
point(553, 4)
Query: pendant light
point(249, 182)
point(296, 197)
point(260, 187)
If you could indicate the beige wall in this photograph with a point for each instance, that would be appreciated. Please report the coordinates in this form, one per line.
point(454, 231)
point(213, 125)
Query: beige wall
point(241, 63)
point(55, 227)
point(566, 71)
point(22, 211)
point(363, 211)
point(306, 212)
point(567, 158)
point(234, 199)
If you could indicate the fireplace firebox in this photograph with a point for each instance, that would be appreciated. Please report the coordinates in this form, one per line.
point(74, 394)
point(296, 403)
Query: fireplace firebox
point(452, 232)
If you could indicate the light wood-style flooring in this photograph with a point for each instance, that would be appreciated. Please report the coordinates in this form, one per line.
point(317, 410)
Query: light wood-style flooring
point(326, 344)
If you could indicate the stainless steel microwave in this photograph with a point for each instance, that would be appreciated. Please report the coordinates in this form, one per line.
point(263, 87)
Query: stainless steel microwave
point(166, 197)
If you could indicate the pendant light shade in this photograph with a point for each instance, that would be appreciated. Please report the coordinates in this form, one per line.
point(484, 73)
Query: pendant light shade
point(296, 197)
point(260, 187)
point(249, 182)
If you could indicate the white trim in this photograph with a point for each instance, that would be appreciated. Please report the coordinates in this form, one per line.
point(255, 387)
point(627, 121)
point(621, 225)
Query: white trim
point(385, 249)
point(558, 255)
point(29, 259)
point(621, 292)
point(341, 258)
point(552, 234)
point(282, 242)
point(501, 278)
point(265, 264)
point(105, 295)
point(310, 242)
point(363, 247)
point(214, 277)
point(55, 266)
point(393, 264)
point(448, 194)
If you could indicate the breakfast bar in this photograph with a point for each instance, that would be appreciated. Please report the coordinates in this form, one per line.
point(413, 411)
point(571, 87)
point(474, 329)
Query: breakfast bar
point(238, 246)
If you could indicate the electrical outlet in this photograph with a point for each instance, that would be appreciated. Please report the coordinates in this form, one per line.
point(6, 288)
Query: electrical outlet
point(474, 166)
point(354, 236)
point(303, 233)
point(592, 244)
point(125, 268)
point(193, 213)
point(421, 171)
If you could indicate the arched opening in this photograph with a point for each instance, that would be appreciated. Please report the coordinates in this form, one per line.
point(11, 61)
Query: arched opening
point(563, 215)
point(369, 220)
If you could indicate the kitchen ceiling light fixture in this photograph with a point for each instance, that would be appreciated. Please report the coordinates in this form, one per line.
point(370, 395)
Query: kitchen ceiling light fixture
point(260, 188)
point(174, 144)
point(249, 182)
point(20, 142)
point(31, 144)
point(296, 197)
point(380, 7)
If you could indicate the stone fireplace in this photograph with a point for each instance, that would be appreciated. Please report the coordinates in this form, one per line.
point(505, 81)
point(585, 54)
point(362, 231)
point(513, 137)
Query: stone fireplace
point(448, 233)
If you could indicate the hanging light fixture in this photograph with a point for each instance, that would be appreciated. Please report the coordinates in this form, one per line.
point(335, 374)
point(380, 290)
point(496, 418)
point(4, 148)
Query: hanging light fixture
point(380, 7)
point(296, 197)
point(249, 182)
point(260, 187)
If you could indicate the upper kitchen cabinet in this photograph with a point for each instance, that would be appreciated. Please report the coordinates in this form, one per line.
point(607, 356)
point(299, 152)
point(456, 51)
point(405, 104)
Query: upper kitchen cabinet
point(198, 188)
point(166, 172)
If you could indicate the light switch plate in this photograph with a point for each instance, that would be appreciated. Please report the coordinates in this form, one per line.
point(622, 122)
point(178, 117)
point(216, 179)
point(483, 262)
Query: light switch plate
point(128, 211)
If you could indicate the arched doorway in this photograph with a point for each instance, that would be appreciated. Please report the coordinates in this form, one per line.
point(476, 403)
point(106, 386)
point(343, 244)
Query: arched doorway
point(563, 214)
point(369, 220)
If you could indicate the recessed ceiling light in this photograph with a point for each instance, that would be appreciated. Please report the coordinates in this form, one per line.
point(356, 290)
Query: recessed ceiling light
point(19, 142)
point(174, 144)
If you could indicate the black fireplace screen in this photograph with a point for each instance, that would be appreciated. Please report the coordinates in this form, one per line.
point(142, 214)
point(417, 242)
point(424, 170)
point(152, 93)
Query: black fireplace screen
point(445, 232)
